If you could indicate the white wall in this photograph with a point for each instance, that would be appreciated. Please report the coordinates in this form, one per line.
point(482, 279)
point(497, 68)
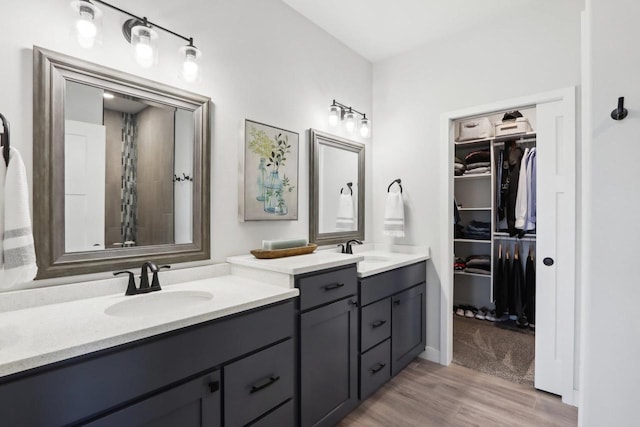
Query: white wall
point(183, 190)
point(262, 61)
point(532, 50)
point(611, 329)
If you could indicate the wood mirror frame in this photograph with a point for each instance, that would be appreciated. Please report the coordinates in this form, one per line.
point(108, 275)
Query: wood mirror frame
point(316, 138)
point(50, 72)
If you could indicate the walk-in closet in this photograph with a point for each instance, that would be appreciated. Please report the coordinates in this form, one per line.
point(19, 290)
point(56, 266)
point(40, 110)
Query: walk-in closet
point(511, 212)
point(494, 244)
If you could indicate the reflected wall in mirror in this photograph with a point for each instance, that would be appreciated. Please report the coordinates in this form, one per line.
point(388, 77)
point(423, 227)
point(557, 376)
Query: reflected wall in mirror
point(337, 189)
point(121, 160)
point(121, 169)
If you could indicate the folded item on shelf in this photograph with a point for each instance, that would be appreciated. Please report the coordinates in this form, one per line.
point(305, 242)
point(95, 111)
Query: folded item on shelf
point(478, 156)
point(459, 160)
point(478, 171)
point(477, 270)
point(478, 165)
point(459, 264)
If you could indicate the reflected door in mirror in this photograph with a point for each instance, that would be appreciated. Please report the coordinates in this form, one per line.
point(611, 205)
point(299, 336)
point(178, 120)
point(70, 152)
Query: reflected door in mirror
point(338, 209)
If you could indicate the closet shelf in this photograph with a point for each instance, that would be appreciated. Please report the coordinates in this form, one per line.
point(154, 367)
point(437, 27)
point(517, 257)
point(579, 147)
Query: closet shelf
point(474, 142)
point(518, 138)
point(464, 273)
point(505, 236)
point(474, 209)
point(475, 176)
point(471, 241)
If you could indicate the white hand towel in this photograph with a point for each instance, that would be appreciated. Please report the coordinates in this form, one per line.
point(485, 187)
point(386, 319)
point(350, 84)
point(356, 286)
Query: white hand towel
point(345, 220)
point(394, 215)
point(18, 253)
point(521, 195)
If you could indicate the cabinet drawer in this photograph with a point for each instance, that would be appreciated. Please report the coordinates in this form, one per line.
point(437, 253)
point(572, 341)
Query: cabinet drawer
point(375, 368)
point(258, 383)
point(375, 324)
point(322, 288)
point(386, 284)
point(283, 416)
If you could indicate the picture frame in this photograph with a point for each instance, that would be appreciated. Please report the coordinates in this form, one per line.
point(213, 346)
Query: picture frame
point(269, 182)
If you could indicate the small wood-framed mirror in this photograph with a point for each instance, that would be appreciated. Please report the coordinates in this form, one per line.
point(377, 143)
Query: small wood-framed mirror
point(121, 169)
point(337, 188)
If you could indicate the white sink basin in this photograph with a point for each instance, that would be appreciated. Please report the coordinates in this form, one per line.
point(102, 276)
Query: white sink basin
point(156, 303)
point(375, 258)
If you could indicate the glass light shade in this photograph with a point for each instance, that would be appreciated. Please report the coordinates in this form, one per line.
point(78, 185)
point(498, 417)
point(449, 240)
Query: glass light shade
point(88, 22)
point(350, 121)
point(334, 115)
point(365, 127)
point(144, 40)
point(191, 70)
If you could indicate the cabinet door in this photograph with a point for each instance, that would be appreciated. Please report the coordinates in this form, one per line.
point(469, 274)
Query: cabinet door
point(193, 404)
point(408, 329)
point(328, 363)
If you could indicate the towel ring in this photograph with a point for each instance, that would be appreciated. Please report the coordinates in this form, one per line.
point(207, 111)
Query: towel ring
point(350, 185)
point(4, 138)
point(398, 181)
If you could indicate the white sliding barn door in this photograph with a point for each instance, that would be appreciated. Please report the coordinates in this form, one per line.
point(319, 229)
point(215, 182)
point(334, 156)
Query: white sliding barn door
point(555, 251)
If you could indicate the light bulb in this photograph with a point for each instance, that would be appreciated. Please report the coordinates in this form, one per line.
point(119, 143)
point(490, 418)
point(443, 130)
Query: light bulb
point(350, 121)
point(190, 66)
point(365, 128)
point(334, 115)
point(87, 22)
point(144, 51)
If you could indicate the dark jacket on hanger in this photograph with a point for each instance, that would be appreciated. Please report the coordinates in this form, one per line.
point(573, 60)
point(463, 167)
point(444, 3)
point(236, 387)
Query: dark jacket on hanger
point(500, 292)
point(530, 281)
point(517, 283)
point(514, 159)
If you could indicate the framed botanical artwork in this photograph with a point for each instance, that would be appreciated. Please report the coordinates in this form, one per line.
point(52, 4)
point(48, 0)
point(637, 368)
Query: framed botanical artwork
point(270, 173)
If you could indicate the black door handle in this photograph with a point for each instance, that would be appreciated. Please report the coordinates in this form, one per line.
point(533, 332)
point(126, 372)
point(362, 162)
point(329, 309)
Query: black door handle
point(269, 381)
point(548, 261)
point(378, 323)
point(378, 368)
point(333, 286)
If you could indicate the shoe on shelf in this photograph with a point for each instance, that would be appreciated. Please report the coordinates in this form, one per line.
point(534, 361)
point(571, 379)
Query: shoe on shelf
point(532, 326)
point(490, 316)
point(470, 311)
point(522, 322)
point(482, 313)
point(503, 318)
point(460, 311)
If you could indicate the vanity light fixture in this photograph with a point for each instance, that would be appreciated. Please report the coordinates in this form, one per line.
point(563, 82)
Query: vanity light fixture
point(108, 95)
point(140, 33)
point(340, 112)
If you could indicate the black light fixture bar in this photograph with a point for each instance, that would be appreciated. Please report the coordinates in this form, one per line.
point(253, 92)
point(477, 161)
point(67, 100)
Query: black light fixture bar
point(348, 108)
point(144, 20)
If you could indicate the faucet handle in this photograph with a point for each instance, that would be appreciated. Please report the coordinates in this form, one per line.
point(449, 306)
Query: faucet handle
point(131, 286)
point(342, 249)
point(155, 282)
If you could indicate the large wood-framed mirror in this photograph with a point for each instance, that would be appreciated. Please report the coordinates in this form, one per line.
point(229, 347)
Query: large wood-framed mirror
point(336, 202)
point(121, 169)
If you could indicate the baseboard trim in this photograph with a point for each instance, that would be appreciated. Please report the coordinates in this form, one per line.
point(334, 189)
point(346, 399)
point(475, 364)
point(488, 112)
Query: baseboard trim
point(431, 354)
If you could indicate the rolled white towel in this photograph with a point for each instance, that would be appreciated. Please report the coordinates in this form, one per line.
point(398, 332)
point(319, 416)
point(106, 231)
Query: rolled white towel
point(394, 215)
point(18, 253)
point(345, 219)
point(271, 245)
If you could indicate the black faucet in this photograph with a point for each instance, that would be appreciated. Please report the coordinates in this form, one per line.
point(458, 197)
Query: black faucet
point(349, 245)
point(144, 279)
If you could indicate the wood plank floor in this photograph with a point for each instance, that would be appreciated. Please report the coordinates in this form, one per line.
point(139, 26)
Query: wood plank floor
point(429, 394)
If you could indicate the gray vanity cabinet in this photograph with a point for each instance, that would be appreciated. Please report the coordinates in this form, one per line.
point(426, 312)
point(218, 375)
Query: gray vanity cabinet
point(328, 330)
point(179, 378)
point(392, 326)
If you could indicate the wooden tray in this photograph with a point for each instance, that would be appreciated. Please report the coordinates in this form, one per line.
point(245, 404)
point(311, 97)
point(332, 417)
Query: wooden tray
point(280, 253)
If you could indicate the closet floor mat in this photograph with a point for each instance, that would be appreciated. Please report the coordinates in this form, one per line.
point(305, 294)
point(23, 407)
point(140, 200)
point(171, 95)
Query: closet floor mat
point(485, 347)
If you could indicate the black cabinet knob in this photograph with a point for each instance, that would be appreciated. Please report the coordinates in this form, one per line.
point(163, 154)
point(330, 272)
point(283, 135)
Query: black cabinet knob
point(214, 386)
point(548, 261)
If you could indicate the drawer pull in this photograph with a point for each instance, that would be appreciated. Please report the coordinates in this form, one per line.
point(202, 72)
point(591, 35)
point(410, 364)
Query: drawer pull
point(378, 368)
point(378, 323)
point(214, 386)
point(353, 302)
point(396, 302)
point(333, 286)
point(269, 381)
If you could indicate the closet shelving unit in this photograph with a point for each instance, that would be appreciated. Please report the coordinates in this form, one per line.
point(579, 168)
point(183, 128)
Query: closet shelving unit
point(476, 196)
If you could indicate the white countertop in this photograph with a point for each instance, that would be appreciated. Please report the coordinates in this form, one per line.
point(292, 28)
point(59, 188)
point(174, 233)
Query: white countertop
point(379, 258)
point(37, 336)
point(300, 264)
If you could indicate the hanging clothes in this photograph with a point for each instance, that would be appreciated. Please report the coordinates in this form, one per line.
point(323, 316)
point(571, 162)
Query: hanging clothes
point(532, 205)
point(500, 295)
point(525, 200)
point(519, 291)
point(506, 283)
point(514, 161)
point(530, 284)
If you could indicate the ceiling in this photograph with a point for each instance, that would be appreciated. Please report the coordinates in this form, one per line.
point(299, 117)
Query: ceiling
point(379, 29)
